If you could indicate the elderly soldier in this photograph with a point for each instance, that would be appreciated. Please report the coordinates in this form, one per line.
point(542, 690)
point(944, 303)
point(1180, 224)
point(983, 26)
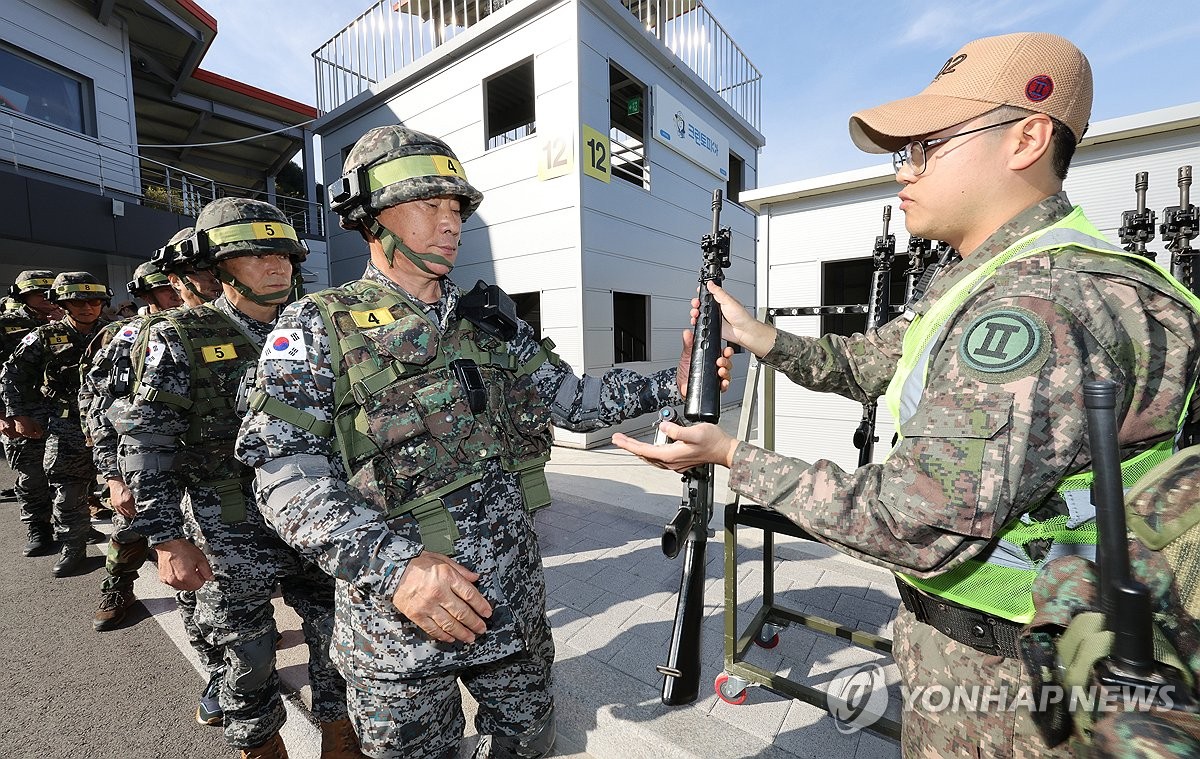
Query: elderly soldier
point(400, 430)
point(106, 375)
point(46, 364)
point(990, 476)
point(178, 437)
point(24, 454)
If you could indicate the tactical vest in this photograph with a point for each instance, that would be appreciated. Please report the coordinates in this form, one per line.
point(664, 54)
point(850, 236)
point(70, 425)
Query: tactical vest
point(219, 353)
point(403, 424)
point(64, 347)
point(1001, 584)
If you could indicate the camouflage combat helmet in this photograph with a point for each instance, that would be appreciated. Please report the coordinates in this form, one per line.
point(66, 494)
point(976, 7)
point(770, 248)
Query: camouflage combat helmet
point(146, 277)
point(171, 257)
point(393, 164)
point(32, 281)
point(78, 285)
point(230, 227)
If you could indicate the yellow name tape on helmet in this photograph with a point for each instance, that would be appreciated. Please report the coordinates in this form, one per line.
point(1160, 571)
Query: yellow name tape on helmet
point(39, 283)
point(82, 288)
point(253, 230)
point(411, 166)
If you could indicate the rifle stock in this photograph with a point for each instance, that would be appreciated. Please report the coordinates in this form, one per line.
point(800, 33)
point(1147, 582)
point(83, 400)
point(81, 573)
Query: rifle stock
point(688, 531)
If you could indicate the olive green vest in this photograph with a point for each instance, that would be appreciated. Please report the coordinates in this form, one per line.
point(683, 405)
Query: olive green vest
point(219, 353)
point(65, 347)
point(402, 422)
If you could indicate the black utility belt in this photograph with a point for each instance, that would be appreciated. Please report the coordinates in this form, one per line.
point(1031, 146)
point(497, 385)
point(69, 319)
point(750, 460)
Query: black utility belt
point(986, 633)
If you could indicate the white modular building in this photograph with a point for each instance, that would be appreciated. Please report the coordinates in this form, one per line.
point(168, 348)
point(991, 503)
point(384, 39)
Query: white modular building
point(597, 131)
point(816, 237)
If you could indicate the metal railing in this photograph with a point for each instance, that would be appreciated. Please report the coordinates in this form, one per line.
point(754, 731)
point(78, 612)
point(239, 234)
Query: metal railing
point(392, 34)
point(34, 145)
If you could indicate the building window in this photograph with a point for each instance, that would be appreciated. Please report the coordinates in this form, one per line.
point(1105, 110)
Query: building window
point(737, 178)
point(848, 283)
point(529, 310)
point(43, 91)
point(627, 132)
point(509, 104)
point(631, 320)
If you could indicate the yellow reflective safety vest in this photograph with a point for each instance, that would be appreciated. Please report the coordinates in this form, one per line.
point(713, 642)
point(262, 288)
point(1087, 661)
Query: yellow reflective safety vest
point(1001, 583)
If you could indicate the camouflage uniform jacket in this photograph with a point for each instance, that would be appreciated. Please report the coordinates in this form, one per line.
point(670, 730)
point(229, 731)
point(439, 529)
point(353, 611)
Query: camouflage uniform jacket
point(14, 326)
point(983, 447)
point(314, 508)
point(96, 396)
point(158, 462)
point(43, 371)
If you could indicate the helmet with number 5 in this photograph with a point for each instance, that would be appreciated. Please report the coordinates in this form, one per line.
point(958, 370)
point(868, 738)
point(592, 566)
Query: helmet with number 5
point(230, 227)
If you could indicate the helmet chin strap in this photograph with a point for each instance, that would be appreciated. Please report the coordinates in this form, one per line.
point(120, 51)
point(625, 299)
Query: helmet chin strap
point(391, 242)
point(274, 298)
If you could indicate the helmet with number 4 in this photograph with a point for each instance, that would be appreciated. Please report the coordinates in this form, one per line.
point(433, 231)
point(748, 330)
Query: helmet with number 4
point(393, 164)
point(231, 227)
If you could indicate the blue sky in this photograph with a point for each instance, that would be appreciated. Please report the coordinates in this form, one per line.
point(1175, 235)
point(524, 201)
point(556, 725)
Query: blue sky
point(820, 60)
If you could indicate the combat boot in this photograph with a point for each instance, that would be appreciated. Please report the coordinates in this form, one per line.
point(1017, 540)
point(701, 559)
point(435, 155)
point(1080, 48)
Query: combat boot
point(338, 741)
point(69, 558)
point(41, 540)
point(273, 748)
point(114, 606)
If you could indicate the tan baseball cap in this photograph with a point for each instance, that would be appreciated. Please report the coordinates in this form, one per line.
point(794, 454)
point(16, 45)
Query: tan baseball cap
point(1039, 72)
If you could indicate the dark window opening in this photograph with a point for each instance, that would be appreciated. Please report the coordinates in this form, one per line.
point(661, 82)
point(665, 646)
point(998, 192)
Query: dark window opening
point(529, 309)
point(737, 177)
point(627, 131)
point(43, 91)
point(509, 98)
point(848, 283)
point(631, 320)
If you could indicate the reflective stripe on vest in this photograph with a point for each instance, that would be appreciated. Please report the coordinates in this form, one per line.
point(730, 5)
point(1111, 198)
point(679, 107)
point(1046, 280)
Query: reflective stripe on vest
point(1001, 583)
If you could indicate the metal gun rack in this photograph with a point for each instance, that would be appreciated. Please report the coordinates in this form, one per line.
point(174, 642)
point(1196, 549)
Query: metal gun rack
point(765, 625)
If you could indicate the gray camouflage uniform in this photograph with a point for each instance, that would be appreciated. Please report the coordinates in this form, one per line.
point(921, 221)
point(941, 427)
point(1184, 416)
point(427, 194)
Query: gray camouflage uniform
point(403, 688)
point(247, 559)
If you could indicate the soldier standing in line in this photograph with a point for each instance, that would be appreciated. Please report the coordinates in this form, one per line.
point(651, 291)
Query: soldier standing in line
point(106, 376)
point(990, 476)
point(178, 437)
point(399, 422)
point(45, 365)
point(194, 286)
point(25, 455)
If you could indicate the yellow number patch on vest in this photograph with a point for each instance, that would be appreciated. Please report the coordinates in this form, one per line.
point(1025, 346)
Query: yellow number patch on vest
point(223, 352)
point(14, 330)
point(1004, 344)
point(376, 317)
point(59, 339)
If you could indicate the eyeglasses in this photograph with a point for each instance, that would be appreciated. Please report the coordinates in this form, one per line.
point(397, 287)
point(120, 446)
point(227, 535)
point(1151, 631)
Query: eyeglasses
point(914, 152)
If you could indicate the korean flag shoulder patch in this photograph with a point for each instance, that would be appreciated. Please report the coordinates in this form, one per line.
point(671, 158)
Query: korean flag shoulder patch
point(285, 345)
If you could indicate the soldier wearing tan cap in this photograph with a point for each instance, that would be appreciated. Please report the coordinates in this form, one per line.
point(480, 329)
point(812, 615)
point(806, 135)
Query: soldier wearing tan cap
point(989, 477)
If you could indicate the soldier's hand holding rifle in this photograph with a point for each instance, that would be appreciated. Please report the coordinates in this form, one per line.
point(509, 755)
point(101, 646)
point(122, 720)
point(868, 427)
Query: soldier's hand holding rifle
point(704, 443)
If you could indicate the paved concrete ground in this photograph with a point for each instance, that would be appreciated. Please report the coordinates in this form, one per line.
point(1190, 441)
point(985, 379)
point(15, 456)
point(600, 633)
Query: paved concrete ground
point(611, 603)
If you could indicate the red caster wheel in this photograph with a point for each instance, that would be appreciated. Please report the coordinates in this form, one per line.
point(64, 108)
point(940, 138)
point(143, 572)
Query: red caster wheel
point(731, 690)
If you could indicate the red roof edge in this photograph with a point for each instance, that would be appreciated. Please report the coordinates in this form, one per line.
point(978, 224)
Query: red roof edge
point(201, 14)
point(254, 92)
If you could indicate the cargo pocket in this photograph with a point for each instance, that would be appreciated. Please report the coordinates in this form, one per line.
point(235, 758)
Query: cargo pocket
point(958, 446)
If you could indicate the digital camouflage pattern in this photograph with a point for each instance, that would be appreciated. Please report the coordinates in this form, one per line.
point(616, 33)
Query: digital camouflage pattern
point(385, 143)
point(1162, 511)
point(337, 518)
point(78, 285)
point(146, 277)
point(982, 449)
point(26, 455)
point(167, 453)
point(226, 211)
point(41, 380)
point(31, 281)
